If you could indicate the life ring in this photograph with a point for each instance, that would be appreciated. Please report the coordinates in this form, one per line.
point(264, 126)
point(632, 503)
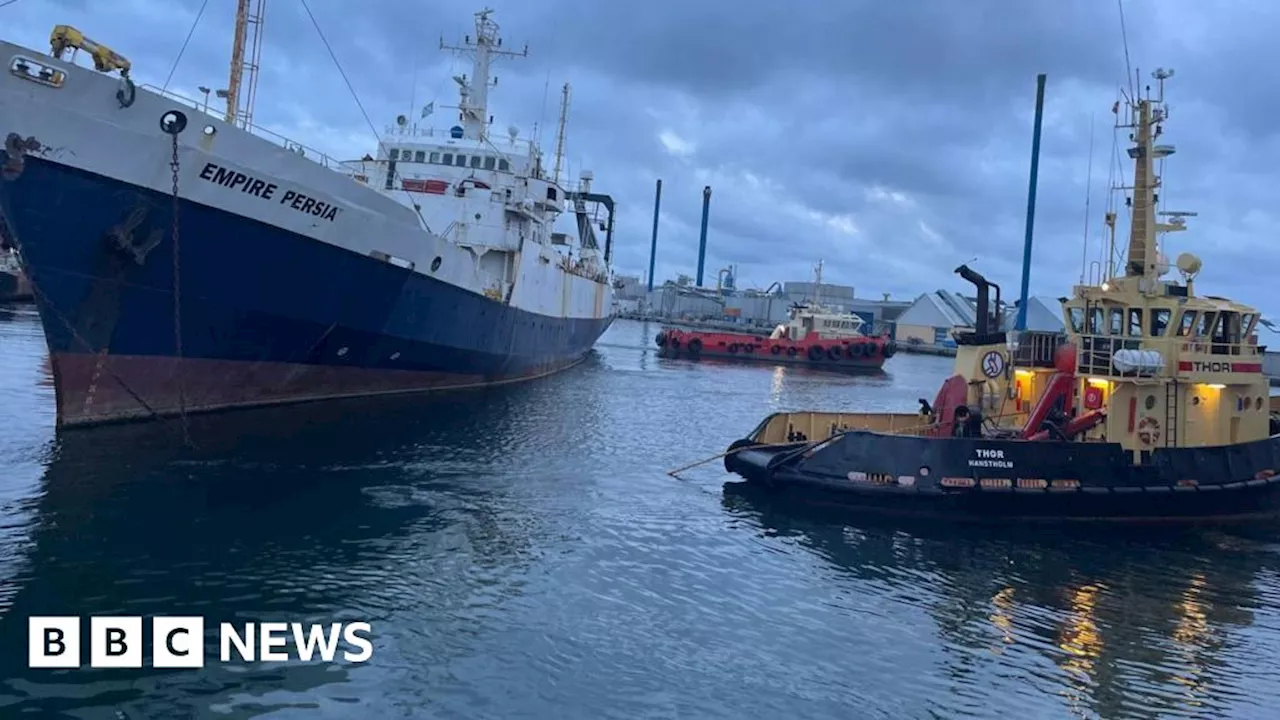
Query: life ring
point(733, 348)
point(856, 350)
point(889, 349)
point(834, 352)
point(815, 352)
point(776, 349)
point(661, 339)
point(695, 346)
point(791, 351)
point(1148, 431)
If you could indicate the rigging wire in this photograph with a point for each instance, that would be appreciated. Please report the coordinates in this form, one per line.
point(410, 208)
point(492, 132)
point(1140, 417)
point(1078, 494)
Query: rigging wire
point(1088, 194)
point(1124, 38)
point(183, 49)
point(7, 3)
point(377, 138)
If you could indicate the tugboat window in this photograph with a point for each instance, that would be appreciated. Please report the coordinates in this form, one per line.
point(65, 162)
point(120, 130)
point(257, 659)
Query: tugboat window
point(504, 166)
point(393, 154)
point(460, 160)
point(1135, 322)
point(1117, 321)
point(448, 158)
point(1188, 320)
point(489, 162)
point(1077, 319)
point(1095, 321)
point(476, 160)
point(435, 157)
point(420, 156)
point(1160, 321)
point(1204, 328)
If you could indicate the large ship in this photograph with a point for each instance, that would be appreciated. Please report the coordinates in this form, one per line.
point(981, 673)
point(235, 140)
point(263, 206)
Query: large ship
point(183, 261)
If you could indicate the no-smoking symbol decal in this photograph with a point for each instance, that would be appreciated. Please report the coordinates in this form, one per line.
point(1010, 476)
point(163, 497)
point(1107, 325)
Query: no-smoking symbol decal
point(992, 364)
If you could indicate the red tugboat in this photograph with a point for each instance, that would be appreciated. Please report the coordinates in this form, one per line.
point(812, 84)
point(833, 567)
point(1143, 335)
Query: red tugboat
point(813, 334)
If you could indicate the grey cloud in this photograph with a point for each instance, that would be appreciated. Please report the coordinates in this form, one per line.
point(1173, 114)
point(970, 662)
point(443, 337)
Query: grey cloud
point(909, 122)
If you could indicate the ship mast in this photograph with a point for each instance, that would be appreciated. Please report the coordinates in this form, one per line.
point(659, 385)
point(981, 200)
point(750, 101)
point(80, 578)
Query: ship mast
point(564, 115)
point(473, 94)
point(1146, 120)
point(249, 17)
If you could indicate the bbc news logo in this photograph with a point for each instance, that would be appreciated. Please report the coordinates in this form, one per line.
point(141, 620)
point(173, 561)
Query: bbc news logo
point(179, 642)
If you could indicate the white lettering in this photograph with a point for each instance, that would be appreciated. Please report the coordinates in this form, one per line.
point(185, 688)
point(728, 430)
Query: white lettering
point(273, 637)
point(231, 637)
point(328, 645)
point(365, 645)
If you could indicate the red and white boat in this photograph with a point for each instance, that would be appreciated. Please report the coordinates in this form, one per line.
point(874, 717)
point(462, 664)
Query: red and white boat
point(812, 335)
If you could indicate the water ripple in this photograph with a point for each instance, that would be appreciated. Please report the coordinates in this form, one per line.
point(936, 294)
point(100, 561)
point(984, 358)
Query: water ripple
point(521, 554)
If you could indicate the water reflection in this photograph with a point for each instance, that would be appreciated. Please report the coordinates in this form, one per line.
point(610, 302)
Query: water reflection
point(1111, 626)
point(365, 509)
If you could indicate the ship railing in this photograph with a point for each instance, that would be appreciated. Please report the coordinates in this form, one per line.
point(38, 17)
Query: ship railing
point(1037, 348)
point(288, 144)
point(1097, 354)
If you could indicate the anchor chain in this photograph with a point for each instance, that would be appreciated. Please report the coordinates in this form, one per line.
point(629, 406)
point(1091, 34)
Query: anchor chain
point(177, 300)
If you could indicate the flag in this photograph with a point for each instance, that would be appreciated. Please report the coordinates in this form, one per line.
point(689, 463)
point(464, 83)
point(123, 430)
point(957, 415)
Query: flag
point(428, 108)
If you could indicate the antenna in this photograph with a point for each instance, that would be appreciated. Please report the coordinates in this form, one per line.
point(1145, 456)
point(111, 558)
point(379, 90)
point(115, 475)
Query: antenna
point(564, 114)
point(473, 94)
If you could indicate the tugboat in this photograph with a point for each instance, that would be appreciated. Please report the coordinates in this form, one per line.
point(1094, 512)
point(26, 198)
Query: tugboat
point(1151, 408)
point(813, 334)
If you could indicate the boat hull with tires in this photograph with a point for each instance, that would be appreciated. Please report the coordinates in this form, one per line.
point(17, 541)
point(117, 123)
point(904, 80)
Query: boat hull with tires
point(852, 353)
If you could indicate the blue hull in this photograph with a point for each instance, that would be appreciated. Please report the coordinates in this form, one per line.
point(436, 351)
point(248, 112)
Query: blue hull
point(266, 315)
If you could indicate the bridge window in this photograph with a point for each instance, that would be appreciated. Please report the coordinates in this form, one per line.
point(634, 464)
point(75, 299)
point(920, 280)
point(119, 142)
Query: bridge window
point(489, 162)
point(435, 157)
point(1188, 321)
point(1160, 321)
point(1095, 321)
point(476, 161)
point(1204, 328)
point(1116, 317)
point(393, 154)
point(1135, 322)
point(420, 156)
point(1246, 325)
point(504, 166)
point(1076, 316)
point(448, 158)
point(460, 160)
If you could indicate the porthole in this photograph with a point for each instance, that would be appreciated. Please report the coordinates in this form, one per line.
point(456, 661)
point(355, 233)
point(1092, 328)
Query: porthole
point(435, 264)
point(342, 351)
point(395, 356)
point(1151, 401)
point(1258, 405)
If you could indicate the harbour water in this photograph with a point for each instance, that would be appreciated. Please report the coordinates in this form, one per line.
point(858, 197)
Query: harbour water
point(521, 553)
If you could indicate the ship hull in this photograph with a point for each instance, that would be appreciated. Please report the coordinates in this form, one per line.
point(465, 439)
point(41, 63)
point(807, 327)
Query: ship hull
point(1002, 481)
point(265, 315)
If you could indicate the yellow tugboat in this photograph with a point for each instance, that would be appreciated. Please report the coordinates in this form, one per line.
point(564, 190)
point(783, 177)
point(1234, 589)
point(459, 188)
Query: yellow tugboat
point(1152, 407)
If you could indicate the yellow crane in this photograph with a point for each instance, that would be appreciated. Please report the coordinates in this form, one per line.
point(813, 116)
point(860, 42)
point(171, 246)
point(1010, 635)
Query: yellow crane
point(65, 37)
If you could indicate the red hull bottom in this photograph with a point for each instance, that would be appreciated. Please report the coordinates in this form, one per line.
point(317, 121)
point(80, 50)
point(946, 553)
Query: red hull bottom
point(875, 363)
point(852, 353)
point(95, 389)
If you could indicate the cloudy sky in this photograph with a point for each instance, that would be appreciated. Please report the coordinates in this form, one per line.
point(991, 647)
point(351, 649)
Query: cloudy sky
point(890, 139)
